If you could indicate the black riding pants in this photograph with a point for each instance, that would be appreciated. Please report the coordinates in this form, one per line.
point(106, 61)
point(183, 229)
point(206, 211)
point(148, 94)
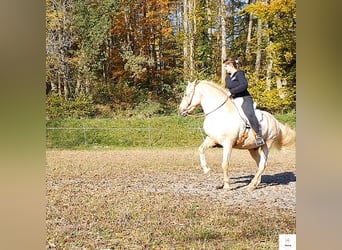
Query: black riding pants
point(248, 109)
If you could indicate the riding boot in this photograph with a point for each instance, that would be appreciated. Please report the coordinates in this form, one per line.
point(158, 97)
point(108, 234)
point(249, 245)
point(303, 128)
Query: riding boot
point(258, 137)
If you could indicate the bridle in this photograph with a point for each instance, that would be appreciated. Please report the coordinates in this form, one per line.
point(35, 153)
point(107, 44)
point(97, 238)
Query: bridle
point(189, 101)
point(185, 111)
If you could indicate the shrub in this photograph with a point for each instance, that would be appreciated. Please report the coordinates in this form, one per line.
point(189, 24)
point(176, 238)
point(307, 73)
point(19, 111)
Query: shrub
point(80, 107)
point(147, 109)
point(273, 100)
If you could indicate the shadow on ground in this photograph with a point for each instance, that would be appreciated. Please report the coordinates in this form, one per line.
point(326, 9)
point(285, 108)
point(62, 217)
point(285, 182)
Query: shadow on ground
point(266, 180)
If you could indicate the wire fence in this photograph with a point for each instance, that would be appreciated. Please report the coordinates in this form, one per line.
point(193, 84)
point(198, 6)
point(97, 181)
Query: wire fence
point(76, 137)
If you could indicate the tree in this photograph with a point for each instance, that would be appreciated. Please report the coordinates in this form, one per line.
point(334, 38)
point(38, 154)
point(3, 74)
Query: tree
point(249, 33)
point(58, 44)
point(278, 19)
point(276, 39)
point(121, 53)
point(91, 24)
point(223, 39)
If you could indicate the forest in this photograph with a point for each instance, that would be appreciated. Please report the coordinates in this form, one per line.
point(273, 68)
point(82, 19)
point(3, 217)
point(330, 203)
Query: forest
point(107, 58)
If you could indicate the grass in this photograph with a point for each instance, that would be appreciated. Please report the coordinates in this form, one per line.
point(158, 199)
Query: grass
point(289, 119)
point(94, 218)
point(157, 132)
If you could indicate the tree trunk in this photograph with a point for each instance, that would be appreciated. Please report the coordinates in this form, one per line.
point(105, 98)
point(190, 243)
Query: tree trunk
point(258, 51)
point(186, 38)
point(59, 81)
point(269, 60)
point(66, 90)
point(54, 87)
point(223, 40)
point(192, 35)
point(208, 12)
point(269, 71)
point(128, 25)
point(249, 33)
point(280, 84)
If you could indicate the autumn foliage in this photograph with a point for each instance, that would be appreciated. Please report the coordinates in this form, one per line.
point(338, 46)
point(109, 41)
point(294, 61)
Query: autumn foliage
point(128, 54)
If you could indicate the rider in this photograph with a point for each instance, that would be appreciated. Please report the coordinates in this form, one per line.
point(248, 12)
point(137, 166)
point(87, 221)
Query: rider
point(237, 84)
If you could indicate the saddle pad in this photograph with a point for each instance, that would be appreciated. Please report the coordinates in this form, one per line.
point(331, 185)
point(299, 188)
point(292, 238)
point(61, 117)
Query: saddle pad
point(258, 114)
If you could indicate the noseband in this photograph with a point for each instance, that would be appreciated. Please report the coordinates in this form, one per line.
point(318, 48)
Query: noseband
point(189, 100)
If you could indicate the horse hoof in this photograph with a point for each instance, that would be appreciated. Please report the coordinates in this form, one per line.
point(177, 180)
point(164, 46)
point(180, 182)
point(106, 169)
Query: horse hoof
point(226, 187)
point(251, 187)
point(206, 170)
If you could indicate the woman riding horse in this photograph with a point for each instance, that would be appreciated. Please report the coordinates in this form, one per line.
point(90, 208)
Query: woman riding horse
point(237, 84)
point(224, 125)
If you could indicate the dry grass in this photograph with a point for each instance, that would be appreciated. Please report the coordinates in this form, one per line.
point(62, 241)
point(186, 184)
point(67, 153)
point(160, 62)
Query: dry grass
point(144, 199)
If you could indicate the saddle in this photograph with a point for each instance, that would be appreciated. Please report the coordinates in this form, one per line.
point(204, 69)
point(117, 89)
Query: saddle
point(247, 127)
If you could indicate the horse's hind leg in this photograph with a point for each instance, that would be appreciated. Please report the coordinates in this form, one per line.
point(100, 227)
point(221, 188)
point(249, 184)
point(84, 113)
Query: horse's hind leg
point(260, 157)
point(208, 142)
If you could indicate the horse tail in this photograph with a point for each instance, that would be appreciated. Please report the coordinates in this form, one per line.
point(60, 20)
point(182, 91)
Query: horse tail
point(286, 136)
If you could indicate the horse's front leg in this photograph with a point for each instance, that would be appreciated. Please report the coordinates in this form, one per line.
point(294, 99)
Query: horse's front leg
point(208, 142)
point(227, 149)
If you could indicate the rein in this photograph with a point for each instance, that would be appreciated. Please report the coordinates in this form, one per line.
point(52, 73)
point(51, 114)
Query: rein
point(193, 93)
point(217, 107)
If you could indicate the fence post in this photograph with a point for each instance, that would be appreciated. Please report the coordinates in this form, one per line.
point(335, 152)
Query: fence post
point(84, 135)
point(149, 134)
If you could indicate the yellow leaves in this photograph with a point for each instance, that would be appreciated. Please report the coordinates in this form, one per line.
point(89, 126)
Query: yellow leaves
point(288, 57)
point(259, 9)
point(75, 60)
point(54, 18)
point(166, 31)
point(151, 14)
point(282, 5)
point(275, 8)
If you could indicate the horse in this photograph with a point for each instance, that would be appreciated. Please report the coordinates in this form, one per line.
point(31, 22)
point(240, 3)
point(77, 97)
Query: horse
point(225, 127)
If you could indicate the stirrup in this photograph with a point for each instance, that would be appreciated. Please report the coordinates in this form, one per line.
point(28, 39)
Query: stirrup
point(259, 141)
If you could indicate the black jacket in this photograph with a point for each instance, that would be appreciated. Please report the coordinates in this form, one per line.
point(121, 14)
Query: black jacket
point(237, 84)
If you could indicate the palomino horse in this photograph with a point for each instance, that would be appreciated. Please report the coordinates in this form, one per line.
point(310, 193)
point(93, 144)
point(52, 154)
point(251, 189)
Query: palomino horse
point(224, 126)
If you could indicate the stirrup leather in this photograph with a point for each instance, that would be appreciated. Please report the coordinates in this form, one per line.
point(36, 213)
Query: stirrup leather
point(244, 135)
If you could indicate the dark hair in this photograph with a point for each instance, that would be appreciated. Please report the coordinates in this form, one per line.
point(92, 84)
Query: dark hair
point(231, 61)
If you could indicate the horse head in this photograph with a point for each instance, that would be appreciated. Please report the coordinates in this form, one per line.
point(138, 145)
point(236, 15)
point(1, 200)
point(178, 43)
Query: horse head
point(190, 100)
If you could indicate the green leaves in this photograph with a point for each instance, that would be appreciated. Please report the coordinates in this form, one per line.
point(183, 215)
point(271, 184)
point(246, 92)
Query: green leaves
point(107, 49)
point(80, 107)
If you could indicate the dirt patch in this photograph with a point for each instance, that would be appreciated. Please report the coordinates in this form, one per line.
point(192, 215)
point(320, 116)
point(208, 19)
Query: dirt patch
point(149, 199)
point(178, 172)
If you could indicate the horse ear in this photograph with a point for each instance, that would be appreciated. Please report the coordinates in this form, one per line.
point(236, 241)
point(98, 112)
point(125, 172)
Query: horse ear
point(189, 82)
